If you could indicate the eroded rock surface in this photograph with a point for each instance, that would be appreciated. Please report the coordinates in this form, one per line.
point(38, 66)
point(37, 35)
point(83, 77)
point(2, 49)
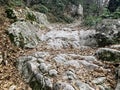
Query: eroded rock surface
point(24, 34)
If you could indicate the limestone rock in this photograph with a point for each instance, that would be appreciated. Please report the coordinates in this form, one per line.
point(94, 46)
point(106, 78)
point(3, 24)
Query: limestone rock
point(116, 46)
point(83, 86)
point(63, 86)
point(53, 72)
point(111, 29)
point(24, 34)
point(43, 67)
point(40, 18)
point(103, 39)
point(99, 80)
point(58, 39)
point(48, 71)
point(12, 87)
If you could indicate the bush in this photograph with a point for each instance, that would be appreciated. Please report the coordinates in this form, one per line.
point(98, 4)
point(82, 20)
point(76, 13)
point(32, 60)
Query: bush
point(15, 3)
point(10, 14)
point(68, 19)
point(114, 15)
point(91, 20)
point(40, 8)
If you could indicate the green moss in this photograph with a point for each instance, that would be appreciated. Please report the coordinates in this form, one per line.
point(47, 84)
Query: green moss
point(30, 16)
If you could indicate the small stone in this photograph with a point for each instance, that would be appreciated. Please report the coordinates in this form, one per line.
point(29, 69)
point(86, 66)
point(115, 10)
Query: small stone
point(13, 87)
point(53, 72)
point(115, 46)
point(99, 80)
point(89, 58)
point(48, 82)
point(83, 86)
point(40, 60)
point(1, 57)
point(70, 75)
point(88, 65)
point(101, 87)
point(73, 63)
point(41, 55)
point(43, 67)
point(62, 86)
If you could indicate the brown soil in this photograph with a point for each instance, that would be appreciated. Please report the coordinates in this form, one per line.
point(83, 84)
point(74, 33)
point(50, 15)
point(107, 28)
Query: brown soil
point(9, 75)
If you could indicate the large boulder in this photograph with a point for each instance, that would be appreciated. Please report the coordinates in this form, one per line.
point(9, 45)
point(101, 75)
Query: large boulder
point(24, 34)
point(108, 54)
point(103, 40)
point(23, 14)
point(110, 28)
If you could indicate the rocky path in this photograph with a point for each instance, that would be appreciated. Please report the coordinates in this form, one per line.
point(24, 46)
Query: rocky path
point(62, 61)
point(64, 57)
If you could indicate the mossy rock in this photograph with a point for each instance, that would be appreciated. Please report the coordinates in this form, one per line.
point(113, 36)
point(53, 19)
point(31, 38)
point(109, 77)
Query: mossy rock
point(107, 54)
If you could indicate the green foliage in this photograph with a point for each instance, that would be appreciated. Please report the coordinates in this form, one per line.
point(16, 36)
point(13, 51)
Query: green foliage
point(30, 16)
point(106, 13)
point(90, 8)
point(57, 8)
point(40, 8)
point(91, 20)
point(114, 15)
point(68, 19)
point(10, 14)
point(15, 3)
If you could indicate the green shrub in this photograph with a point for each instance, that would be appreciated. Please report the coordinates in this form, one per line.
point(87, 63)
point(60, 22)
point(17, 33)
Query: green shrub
point(68, 19)
point(114, 15)
point(15, 3)
point(57, 8)
point(40, 8)
point(91, 20)
point(105, 13)
point(10, 14)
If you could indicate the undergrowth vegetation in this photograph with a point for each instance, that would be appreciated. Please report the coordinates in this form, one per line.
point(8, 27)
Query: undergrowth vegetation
point(59, 10)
